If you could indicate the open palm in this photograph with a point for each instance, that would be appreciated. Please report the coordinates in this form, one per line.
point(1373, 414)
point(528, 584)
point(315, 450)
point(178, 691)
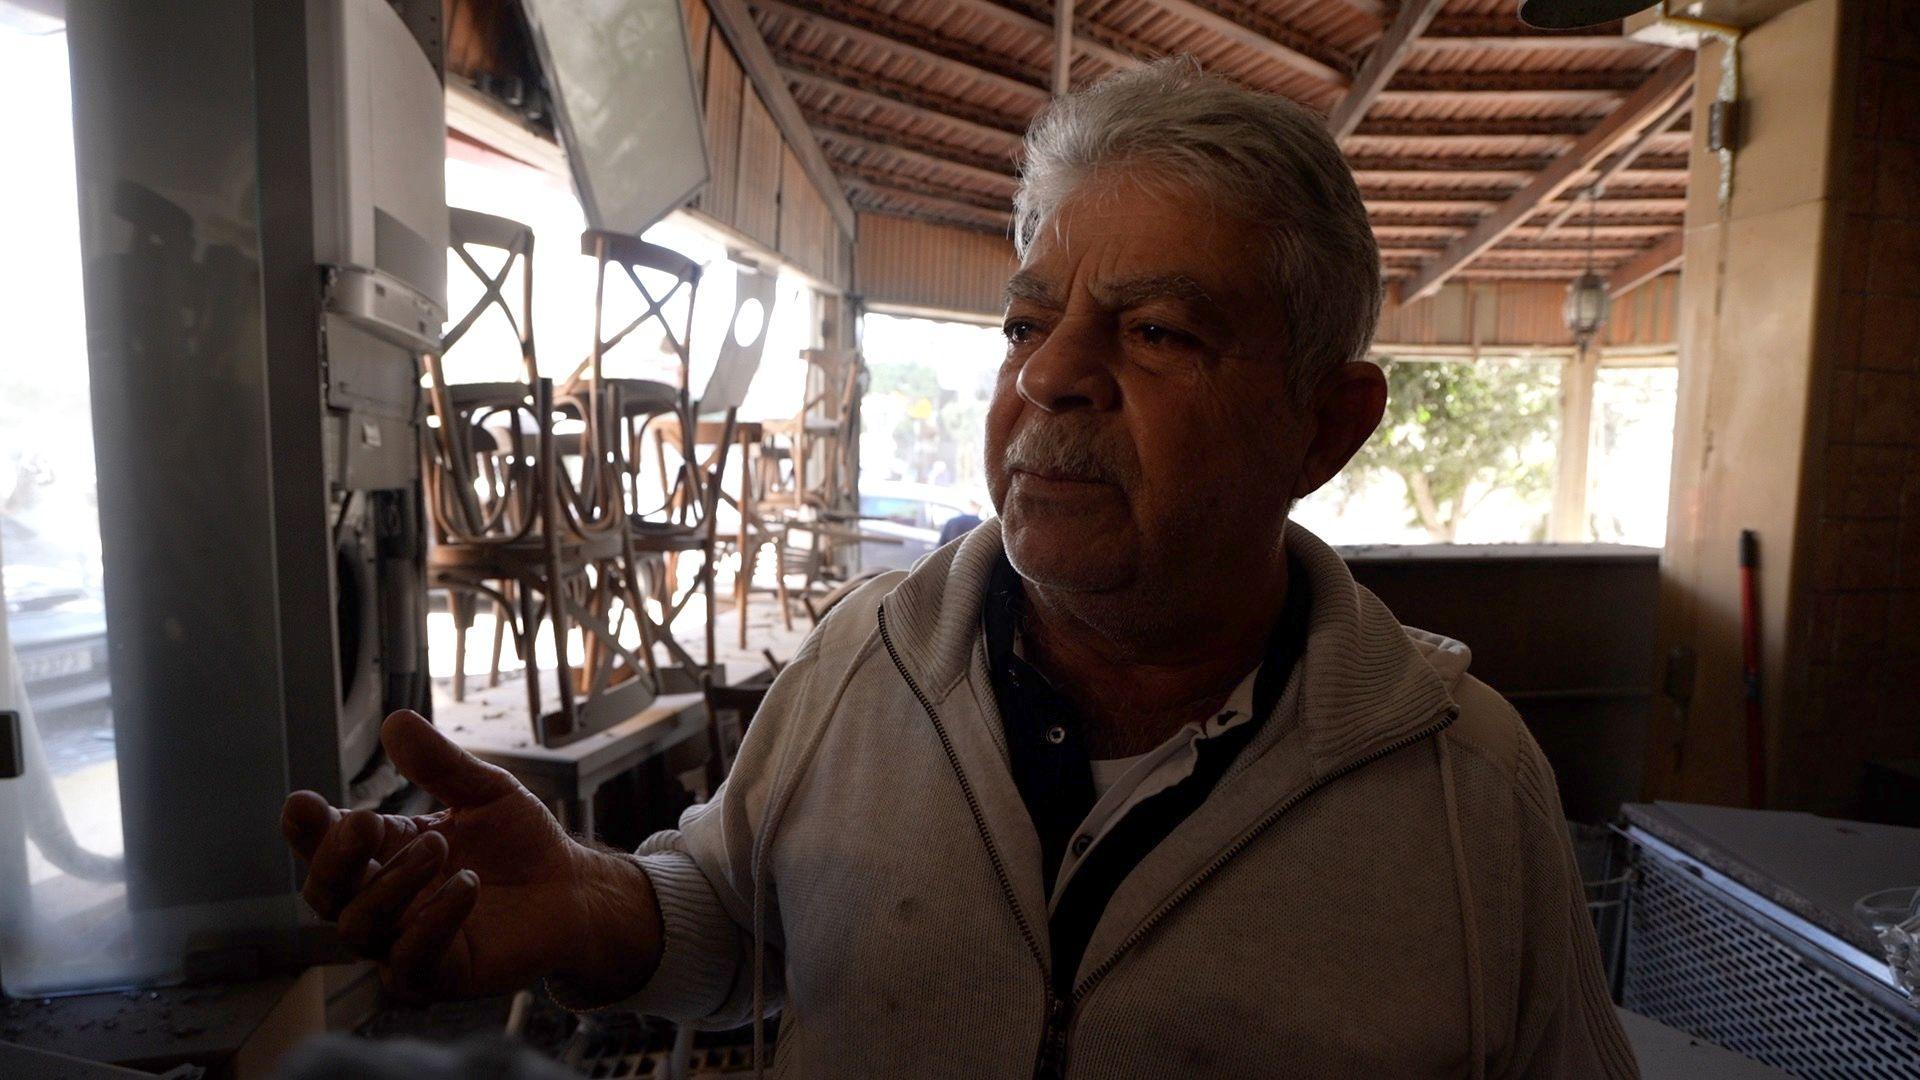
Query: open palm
point(481, 897)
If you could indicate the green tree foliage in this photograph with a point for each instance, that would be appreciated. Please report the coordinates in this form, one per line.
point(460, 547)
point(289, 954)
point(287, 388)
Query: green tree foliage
point(1456, 432)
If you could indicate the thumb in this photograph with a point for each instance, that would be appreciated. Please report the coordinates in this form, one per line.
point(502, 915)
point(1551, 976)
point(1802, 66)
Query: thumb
point(448, 773)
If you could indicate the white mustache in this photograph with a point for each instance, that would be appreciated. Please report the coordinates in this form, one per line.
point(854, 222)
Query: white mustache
point(1073, 451)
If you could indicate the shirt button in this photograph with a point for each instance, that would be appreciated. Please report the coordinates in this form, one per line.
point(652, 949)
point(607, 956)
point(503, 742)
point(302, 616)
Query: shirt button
point(1056, 734)
point(1081, 843)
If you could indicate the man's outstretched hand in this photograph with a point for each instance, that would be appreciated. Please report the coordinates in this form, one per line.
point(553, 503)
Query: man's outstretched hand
point(485, 896)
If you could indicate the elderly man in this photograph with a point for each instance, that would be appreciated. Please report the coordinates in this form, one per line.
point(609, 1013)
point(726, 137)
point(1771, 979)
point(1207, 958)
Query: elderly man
point(1133, 781)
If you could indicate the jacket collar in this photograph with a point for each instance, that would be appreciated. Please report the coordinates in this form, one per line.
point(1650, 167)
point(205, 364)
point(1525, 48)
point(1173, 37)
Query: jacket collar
point(1363, 684)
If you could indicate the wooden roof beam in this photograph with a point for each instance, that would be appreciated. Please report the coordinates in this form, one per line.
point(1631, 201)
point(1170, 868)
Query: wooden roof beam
point(948, 210)
point(872, 176)
point(1471, 129)
point(737, 25)
point(1035, 95)
point(888, 94)
point(827, 123)
point(1446, 163)
point(1027, 24)
point(1288, 55)
point(994, 178)
point(1516, 82)
point(1653, 98)
point(1507, 32)
point(1628, 155)
point(1381, 65)
point(1649, 264)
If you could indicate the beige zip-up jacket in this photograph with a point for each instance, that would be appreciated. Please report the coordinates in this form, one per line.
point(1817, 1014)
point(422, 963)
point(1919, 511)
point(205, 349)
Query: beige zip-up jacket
point(1381, 885)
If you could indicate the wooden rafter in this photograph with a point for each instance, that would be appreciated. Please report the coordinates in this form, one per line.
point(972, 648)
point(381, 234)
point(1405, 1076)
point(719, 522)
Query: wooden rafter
point(934, 206)
point(1061, 81)
point(944, 60)
point(1648, 264)
point(826, 123)
point(1634, 151)
point(736, 25)
point(1516, 82)
point(1372, 9)
point(1506, 32)
point(1037, 29)
point(1424, 249)
point(1283, 53)
point(1651, 99)
point(891, 93)
point(1381, 65)
point(994, 178)
point(1446, 163)
point(850, 171)
point(1472, 128)
point(1479, 196)
point(997, 133)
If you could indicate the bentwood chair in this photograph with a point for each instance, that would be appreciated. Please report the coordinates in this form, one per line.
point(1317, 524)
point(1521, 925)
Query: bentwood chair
point(680, 525)
point(512, 525)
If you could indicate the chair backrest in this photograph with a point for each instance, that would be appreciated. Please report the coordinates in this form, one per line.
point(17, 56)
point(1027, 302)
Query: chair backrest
point(490, 457)
point(470, 229)
point(690, 491)
point(490, 462)
point(631, 255)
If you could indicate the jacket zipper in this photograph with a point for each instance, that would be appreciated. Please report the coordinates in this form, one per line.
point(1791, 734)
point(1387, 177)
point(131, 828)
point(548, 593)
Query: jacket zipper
point(973, 801)
point(1052, 1061)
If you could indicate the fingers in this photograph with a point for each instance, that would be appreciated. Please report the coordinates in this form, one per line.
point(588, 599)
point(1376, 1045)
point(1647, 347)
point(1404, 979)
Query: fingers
point(423, 960)
point(369, 920)
point(447, 772)
point(341, 861)
point(304, 821)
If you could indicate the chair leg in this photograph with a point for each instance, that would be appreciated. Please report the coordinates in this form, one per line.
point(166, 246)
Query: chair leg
point(500, 619)
point(461, 606)
point(459, 660)
point(780, 581)
point(706, 586)
point(743, 587)
point(529, 633)
point(562, 664)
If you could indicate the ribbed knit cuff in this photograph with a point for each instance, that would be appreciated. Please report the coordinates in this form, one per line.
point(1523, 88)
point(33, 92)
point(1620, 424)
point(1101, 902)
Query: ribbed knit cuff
point(700, 951)
point(698, 948)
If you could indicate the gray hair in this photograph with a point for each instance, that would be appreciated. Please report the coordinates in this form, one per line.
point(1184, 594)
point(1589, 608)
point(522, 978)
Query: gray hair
point(1261, 157)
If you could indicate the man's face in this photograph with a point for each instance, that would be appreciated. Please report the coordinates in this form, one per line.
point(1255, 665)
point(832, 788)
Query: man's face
point(1141, 433)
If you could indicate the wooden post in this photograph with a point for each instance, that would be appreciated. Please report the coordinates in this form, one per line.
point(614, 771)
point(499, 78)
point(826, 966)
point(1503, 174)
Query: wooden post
point(1569, 522)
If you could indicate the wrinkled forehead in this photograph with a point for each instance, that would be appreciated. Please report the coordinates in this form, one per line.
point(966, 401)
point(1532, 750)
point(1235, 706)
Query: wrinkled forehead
point(1132, 239)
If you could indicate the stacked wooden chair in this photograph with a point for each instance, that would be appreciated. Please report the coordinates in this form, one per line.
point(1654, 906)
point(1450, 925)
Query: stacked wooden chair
point(681, 526)
point(808, 466)
point(542, 539)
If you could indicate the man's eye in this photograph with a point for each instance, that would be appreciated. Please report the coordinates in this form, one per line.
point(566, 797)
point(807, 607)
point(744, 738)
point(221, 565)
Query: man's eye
point(1020, 331)
point(1157, 335)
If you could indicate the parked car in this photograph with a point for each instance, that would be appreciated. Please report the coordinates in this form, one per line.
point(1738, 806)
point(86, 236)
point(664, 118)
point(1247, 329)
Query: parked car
point(58, 628)
point(903, 520)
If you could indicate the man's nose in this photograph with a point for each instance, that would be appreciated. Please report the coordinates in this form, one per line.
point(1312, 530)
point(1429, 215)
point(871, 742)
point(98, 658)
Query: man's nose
point(1073, 368)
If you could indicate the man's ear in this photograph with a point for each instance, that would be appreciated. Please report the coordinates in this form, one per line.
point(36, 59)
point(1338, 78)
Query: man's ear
point(1345, 411)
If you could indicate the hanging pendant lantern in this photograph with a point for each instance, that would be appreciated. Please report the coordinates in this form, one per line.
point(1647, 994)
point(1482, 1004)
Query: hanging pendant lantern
point(1587, 306)
point(1588, 301)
